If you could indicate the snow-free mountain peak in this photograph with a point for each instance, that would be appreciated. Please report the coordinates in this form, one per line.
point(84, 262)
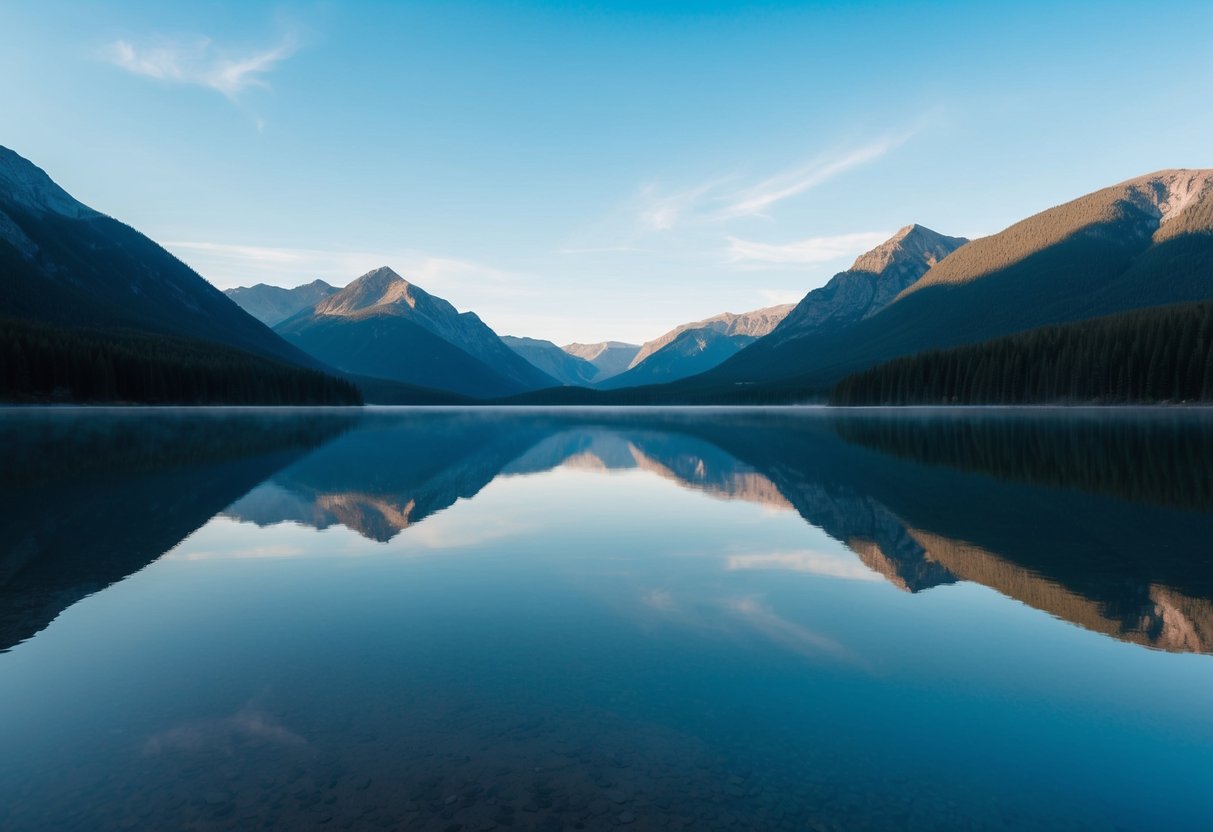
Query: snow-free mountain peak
point(26, 186)
point(914, 244)
point(378, 287)
point(381, 325)
point(560, 365)
point(592, 351)
point(1143, 242)
point(871, 284)
point(609, 357)
point(755, 324)
point(1172, 191)
point(273, 304)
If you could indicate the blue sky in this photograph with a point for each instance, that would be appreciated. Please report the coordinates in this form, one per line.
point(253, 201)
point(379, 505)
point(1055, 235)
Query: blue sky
point(596, 170)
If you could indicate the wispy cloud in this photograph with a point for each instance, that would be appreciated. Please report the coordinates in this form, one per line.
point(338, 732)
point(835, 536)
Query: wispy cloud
point(248, 728)
point(227, 265)
point(821, 249)
point(197, 61)
point(776, 297)
point(786, 633)
point(575, 250)
point(757, 199)
point(815, 563)
point(249, 553)
point(661, 212)
point(728, 197)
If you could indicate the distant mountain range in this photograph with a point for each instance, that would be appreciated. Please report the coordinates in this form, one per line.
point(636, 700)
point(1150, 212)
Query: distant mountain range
point(382, 326)
point(610, 358)
point(684, 351)
point(1145, 242)
point(91, 310)
point(694, 348)
point(272, 304)
point(563, 366)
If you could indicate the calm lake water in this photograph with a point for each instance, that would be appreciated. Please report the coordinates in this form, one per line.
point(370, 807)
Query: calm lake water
point(798, 619)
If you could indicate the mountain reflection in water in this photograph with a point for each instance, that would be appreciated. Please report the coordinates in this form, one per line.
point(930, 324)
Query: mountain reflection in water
point(1097, 519)
point(656, 619)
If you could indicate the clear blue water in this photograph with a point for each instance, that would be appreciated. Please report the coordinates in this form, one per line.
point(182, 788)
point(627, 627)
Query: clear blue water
point(589, 620)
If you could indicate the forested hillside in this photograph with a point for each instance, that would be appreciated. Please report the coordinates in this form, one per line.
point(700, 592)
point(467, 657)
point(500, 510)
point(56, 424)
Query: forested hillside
point(40, 362)
point(92, 310)
point(1163, 354)
point(1145, 242)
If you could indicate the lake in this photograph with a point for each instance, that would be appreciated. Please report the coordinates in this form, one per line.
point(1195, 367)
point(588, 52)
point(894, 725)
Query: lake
point(647, 619)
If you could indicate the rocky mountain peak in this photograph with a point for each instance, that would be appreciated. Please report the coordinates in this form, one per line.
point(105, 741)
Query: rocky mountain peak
point(914, 244)
point(378, 287)
point(26, 185)
point(592, 351)
point(1171, 192)
point(755, 324)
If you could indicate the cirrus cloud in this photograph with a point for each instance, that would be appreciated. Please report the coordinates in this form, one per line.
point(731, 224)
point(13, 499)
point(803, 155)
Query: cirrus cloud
point(819, 249)
point(755, 200)
point(197, 61)
point(728, 197)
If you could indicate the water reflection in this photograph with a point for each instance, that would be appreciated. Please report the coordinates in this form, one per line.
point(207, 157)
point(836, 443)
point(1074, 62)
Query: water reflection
point(1102, 520)
point(92, 497)
point(600, 645)
point(1099, 520)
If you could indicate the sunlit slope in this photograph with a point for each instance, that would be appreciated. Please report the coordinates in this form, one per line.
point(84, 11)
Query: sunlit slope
point(1145, 242)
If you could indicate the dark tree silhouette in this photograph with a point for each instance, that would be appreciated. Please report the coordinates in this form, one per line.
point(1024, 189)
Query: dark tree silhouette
point(1163, 354)
point(40, 362)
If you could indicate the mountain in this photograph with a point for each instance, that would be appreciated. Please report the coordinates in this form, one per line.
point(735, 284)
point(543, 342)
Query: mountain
point(273, 304)
point(609, 357)
point(692, 351)
point(385, 327)
point(63, 263)
point(696, 347)
point(754, 324)
point(92, 310)
point(871, 284)
point(1144, 242)
point(551, 359)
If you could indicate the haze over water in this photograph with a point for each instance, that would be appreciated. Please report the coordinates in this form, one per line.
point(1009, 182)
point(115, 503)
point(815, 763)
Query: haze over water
point(560, 620)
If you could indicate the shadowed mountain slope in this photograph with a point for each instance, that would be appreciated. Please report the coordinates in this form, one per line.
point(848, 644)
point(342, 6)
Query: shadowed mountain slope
point(871, 284)
point(610, 358)
point(689, 353)
point(92, 310)
point(382, 326)
point(565, 367)
point(65, 264)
